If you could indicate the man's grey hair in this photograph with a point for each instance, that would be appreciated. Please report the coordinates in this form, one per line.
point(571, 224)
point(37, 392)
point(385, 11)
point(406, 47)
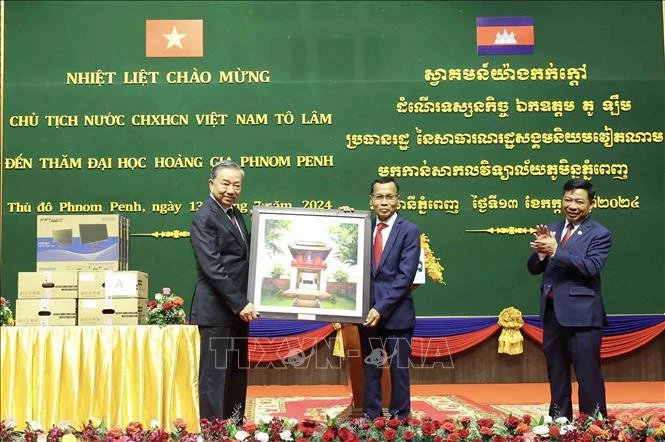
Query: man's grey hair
point(226, 164)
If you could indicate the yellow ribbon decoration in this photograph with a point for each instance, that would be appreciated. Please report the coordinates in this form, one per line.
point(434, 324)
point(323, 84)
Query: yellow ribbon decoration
point(511, 340)
point(338, 349)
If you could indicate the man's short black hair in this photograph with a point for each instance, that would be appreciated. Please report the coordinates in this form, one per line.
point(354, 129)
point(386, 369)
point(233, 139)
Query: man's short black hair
point(383, 180)
point(579, 183)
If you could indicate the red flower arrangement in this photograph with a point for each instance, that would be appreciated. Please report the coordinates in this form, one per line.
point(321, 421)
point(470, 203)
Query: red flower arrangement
point(6, 317)
point(276, 429)
point(166, 309)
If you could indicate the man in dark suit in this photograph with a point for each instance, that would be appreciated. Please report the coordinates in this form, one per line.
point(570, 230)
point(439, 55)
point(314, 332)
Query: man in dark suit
point(219, 306)
point(389, 325)
point(571, 254)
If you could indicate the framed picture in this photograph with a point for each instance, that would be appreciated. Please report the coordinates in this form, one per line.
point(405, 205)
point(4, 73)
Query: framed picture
point(310, 264)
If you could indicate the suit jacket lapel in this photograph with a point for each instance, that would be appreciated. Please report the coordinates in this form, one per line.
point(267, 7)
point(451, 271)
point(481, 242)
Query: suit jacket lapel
point(371, 252)
point(228, 224)
point(558, 230)
point(233, 229)
point(243, 226)
point(581, 230)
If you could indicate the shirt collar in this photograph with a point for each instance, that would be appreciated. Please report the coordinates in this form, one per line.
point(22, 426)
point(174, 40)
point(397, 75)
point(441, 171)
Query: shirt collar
point(575, 226)
point(219, 204)
point(390, 221)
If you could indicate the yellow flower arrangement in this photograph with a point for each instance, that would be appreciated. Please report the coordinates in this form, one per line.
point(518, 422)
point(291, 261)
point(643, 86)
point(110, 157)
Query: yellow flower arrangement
point(433, 267)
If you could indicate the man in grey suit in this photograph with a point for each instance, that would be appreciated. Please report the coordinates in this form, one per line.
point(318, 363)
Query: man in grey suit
point(219, 306)
point(570, 254)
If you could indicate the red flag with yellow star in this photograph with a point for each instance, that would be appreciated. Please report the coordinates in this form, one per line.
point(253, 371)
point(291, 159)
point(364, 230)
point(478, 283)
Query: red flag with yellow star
point(174, 38)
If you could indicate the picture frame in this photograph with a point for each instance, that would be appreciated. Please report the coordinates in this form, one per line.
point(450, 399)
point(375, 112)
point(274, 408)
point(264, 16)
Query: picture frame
point(310, 264)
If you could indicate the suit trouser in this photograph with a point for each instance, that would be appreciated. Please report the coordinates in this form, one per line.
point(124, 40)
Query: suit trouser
point(393, 347)
point(223, 371)
point(581, 347)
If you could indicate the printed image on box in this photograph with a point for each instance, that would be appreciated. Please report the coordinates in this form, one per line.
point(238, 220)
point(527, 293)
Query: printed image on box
point(63, 236)
point(93, 233)
point(78, 238)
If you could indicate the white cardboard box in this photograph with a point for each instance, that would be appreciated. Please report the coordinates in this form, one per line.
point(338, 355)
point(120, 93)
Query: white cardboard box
point(45, 311)
point(108, 284)
point(113, 311)
point(35, 285)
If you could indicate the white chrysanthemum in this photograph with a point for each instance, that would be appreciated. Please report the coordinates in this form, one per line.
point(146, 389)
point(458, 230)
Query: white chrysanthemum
point(265, 419)
point(561, 420)
point(35, 426)
point(285, 435)
point(241, 435)
point(158, 296)
point(547, 419)
point(566, 428)
point(10, 423)
point(261, 436)
point(154, 424)
point(541, 430)
point(292, 421)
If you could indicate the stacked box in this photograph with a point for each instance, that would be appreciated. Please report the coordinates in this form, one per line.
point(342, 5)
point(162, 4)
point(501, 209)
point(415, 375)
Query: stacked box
point(82, 242)
point(46, 311)
point(108, 284)
point(113, 311)
point(90, 250)
point(112, 298)
point(124, 243)
point(42, 285)
point(46, 298)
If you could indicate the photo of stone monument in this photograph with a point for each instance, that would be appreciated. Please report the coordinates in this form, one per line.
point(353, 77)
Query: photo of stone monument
point(309, 264)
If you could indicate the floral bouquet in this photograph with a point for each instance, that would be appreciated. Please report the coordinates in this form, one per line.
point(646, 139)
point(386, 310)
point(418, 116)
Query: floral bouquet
point(166, 309)
point(6, 317)
point(584, 428)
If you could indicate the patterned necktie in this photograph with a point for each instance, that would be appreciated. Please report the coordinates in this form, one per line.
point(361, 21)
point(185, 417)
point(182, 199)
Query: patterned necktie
point(566, 236)
point(232, 216)
point(378, 243)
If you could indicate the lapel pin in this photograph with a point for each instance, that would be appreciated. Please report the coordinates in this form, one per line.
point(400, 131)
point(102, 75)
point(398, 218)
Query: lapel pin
point(579, 232)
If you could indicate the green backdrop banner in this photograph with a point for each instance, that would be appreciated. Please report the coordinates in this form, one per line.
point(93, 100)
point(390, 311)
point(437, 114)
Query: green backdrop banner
point(122, 107)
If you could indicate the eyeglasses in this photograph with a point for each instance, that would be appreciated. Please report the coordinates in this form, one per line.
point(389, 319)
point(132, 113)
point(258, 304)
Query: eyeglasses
point(389, 198)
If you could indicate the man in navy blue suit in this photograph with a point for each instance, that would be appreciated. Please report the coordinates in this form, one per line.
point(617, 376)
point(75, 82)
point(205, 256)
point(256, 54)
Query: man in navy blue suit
point(571, 254)
point(388, 328)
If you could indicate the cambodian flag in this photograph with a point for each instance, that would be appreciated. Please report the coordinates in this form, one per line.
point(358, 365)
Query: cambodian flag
point(504, 35)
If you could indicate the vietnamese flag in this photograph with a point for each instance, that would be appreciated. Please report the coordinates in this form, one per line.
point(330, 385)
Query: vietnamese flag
point(505, 35)
point(174, 38)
